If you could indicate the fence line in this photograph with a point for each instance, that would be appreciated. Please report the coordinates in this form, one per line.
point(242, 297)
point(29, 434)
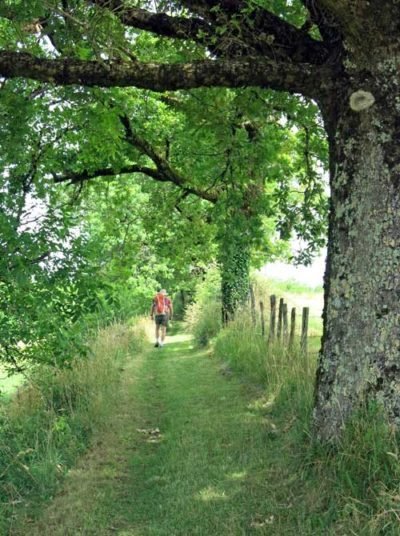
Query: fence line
point(280, 319)
point(280, 330)
point(253, 305)
point(304, 330)
point(292, 327)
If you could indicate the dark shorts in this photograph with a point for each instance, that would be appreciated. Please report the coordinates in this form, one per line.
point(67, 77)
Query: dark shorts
point(161, 320)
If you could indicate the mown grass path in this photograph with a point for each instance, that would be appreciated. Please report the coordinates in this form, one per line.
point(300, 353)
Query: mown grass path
point(187, 452)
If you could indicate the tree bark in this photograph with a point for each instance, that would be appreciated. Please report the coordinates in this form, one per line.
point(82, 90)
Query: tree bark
point(360, 357)
point(247, 71)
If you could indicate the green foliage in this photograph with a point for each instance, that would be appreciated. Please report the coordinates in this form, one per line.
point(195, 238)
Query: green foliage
point(234, 260)
point(203, 317)
point(79, 255)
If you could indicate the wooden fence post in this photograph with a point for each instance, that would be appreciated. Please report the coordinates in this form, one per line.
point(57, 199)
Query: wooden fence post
point(262, 319)
point(253, 306)
point(292, 327)
point(280, 319)
point(285, 322)
point(304, 330)
point(272, 318)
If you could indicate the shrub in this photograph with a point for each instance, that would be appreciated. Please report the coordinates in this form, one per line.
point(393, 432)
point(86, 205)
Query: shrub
point(203, 316)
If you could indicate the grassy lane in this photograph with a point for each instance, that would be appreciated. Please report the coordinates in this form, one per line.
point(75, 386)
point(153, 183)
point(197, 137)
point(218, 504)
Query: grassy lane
point(202, 475)
point(190, 451)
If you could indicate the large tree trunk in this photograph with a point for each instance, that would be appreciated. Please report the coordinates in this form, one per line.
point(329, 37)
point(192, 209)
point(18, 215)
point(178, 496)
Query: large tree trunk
point(360, 357)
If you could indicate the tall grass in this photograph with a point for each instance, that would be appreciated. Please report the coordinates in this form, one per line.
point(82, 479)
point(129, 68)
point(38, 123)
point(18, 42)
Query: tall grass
point(355, 485)
point(286, 374)
point(358, 480)
point(50, 421)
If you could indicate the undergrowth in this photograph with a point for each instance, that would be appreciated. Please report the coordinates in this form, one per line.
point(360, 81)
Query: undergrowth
point(203, 316)
point(352, 487)
point(51, 419)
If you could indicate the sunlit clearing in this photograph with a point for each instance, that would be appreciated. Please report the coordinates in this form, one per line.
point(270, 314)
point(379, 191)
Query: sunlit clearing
point(181, 337)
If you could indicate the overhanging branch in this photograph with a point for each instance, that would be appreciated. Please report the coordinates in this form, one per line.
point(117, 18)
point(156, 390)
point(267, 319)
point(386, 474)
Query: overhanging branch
point(249, 71)
point(258, 31)
point(164, 168)
point(84, 176)
point(160, 23)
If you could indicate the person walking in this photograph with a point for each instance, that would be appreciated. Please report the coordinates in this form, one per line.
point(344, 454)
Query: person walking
point(161, 312)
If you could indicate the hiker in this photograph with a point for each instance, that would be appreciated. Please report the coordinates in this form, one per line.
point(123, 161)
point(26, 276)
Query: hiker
point(161, 312)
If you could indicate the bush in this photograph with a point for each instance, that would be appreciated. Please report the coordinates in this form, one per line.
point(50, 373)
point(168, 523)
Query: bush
point(203, 317)
point(50, 421)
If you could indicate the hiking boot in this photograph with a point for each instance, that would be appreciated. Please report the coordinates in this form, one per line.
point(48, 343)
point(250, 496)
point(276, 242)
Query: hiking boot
point(157, 345)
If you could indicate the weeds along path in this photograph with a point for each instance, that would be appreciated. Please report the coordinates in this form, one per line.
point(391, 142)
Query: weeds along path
point(187, 452)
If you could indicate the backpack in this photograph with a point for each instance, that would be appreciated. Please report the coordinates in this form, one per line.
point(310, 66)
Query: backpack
point(160, 304)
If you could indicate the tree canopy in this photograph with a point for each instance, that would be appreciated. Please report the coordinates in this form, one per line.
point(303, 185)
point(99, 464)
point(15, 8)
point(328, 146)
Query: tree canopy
point(313, 50)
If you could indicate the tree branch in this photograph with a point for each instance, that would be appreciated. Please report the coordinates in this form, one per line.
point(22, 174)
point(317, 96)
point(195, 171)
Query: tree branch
point(310, 80)
point(159, 23)
point(83, 176)
point(258, 31)
point(163, 166)
point(324, 20)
